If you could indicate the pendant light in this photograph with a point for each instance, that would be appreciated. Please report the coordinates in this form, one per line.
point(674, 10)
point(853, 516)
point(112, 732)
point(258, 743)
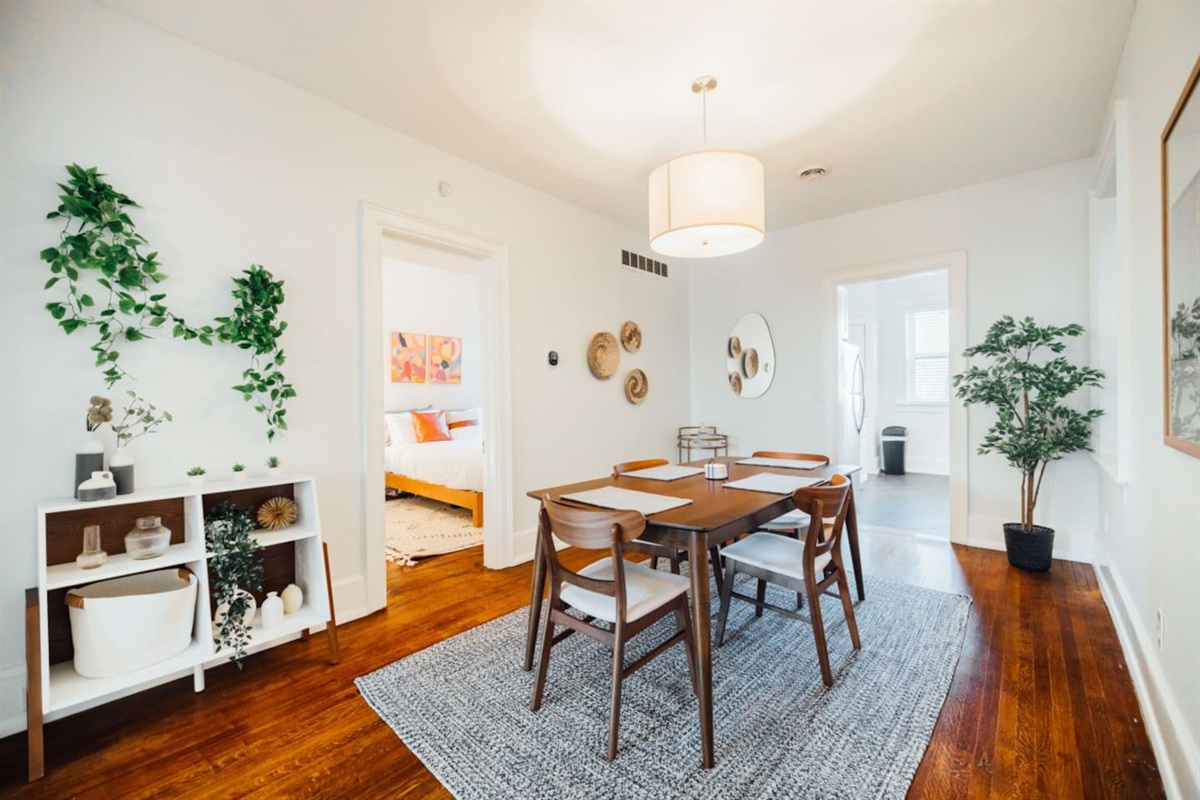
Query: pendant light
point(707, 203)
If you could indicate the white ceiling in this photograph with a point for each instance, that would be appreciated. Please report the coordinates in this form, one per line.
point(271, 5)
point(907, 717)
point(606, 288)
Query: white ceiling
point(582, 99)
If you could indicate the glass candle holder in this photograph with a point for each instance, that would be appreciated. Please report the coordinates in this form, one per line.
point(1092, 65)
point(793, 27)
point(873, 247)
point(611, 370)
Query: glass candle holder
point(92, 556)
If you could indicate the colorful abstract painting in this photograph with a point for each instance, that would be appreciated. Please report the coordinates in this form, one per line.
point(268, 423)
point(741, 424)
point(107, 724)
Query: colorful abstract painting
point(445, 359)
point(408, 357)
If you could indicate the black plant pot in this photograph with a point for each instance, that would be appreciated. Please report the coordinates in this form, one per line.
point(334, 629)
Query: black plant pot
point(1031, 551)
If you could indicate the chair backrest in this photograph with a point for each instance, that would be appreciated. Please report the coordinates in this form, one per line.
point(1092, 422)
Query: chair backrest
point(634, 466)
point(589, 530)
point(823, 503)
point(794, 456)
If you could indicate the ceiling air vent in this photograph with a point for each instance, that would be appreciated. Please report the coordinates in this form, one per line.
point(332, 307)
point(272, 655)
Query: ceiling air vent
point(643, 264)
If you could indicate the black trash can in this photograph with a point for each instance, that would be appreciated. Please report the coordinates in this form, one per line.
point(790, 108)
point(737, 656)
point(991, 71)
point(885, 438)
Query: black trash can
point(894, 437)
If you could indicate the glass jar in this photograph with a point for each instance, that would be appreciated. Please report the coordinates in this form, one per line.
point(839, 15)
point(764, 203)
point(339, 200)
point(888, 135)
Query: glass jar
point(148, 539)
point(91, 556)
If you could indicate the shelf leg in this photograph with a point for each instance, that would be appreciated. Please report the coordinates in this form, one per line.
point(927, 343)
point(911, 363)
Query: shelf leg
point(198, 678)
point(331, 626)
point(33, 678)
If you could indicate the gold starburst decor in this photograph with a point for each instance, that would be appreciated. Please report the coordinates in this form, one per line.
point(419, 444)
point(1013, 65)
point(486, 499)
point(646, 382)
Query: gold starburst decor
point(276, 513)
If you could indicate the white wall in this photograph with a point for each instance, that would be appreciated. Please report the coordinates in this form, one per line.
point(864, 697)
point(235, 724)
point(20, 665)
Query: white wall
point(1026, 238)
point(882, 305)
point(235, 167)
point(1149, 542)
point(433, 301)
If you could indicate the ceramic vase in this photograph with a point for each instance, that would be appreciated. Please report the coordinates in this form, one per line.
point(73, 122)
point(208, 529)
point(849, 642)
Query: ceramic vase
point(196, 480)
point(89, 458)
point(272, 471)
point(223, 609)
point(272, 610)
point(121, 466)
point(292, 598)
point(98, 487)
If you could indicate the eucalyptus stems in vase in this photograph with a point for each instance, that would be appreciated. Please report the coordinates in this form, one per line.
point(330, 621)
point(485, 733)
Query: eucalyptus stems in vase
point(236, 569)
point(141, 417)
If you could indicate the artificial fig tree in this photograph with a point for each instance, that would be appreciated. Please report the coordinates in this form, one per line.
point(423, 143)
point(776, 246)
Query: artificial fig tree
point(1034, 425)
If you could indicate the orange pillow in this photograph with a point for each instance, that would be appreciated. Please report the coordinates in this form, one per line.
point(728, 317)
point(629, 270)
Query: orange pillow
point(430, 426)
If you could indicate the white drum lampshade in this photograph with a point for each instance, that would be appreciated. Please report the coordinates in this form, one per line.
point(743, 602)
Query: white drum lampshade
point(707, 204)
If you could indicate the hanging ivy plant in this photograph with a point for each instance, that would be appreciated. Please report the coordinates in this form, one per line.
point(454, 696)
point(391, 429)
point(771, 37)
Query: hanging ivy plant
point(254, 325)
point(109, 282)
point(236, 568)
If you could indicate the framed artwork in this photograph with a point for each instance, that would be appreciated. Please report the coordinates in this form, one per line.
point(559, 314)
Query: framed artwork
point(445, 359)
point(408, 357)
point(1181, 271)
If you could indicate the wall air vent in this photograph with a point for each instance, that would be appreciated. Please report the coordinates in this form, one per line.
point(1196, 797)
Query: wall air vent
point(643, 264)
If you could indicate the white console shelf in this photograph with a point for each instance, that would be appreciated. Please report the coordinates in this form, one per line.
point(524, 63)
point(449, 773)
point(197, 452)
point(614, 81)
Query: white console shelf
point(295, 554)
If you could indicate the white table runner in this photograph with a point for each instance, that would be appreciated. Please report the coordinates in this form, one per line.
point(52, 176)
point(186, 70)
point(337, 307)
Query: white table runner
point(770, 482)
point(786, 463)
point(667, 472)
point(627, 499)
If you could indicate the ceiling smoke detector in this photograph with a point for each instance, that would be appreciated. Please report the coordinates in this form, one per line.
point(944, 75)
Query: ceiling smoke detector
point(811, 173)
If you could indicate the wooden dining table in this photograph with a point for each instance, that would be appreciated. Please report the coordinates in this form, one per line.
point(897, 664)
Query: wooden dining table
point(715, 515)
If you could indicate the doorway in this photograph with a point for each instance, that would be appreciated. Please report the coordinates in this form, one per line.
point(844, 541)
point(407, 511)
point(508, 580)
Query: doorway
point(389, 234)
point(895, 340)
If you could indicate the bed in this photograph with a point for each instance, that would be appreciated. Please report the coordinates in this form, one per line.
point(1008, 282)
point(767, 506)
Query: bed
point(449, 471)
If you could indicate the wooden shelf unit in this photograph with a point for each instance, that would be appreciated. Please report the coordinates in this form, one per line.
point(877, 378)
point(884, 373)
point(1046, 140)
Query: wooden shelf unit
point(295, 554)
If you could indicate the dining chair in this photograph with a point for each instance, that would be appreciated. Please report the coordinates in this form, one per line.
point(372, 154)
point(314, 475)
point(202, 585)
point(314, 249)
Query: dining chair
point(653, 549)
point(628, 596)
point(791, 523)
point(810, 566)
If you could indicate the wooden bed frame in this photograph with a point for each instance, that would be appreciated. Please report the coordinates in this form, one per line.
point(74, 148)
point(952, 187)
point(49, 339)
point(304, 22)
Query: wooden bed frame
point(463, 498)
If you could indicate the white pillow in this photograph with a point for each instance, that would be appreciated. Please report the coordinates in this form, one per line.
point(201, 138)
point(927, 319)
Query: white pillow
point(474, 427)
point(400, 426)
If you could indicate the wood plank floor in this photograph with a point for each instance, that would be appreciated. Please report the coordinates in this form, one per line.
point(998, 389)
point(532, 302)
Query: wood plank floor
point(1041, 705)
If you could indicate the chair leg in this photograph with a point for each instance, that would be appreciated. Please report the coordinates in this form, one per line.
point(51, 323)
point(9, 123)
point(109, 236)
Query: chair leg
point(814, 611)
point(614, 718)
point(674, 561)
point(762, 596)
point(684, 622)
point(652, 562)
point(715, 554)
point(848, 607)
point(726, 597)
point(544, 660)
point(799, 599)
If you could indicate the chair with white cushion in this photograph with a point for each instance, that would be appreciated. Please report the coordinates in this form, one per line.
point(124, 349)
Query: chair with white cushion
point(810, 566)
point(628, 596)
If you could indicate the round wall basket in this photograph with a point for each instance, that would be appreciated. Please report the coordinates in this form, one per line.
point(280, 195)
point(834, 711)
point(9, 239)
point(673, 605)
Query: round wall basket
point(604, 355)
point(735, 383)
point(735, 347)
point(631, 337)
point(750, 362)
point(636, 386)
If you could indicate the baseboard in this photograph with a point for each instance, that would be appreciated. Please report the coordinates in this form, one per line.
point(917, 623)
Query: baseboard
point(12, 700)
point(1176, 751)
point(350, 598)
point(1069, 545)
point(927, 466)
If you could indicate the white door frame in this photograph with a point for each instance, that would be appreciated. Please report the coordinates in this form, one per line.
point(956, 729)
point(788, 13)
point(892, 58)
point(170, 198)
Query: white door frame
point(955, 263)
point(492, 255)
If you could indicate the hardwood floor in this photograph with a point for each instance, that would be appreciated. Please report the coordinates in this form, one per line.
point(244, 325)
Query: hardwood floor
point(1041, 705)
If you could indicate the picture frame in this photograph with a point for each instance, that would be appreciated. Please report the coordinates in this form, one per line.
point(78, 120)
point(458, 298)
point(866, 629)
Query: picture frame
point(1181, 271)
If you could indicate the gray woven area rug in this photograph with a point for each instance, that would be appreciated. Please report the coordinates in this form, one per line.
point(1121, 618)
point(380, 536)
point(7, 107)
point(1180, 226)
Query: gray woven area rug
point(462, 706)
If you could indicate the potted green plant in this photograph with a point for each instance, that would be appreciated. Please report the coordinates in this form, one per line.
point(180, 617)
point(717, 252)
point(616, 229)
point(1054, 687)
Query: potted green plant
point(239, 472)
point(273, 465)
point(196, 476)
point(1034, 425)
point(236, 569)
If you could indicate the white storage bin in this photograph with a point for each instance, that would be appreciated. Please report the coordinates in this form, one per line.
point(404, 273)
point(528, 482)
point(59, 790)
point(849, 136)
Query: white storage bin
point(125, 624)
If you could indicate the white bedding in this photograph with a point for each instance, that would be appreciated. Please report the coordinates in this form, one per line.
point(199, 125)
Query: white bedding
point(456, 463)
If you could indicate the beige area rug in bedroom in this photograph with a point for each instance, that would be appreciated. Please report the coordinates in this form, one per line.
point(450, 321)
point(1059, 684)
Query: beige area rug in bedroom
point(418, 527)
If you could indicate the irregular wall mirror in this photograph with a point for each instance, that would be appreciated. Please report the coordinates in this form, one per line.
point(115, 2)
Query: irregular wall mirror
point(750, 357)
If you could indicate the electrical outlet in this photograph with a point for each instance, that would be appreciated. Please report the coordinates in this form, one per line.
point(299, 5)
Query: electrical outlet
point(1159, 629)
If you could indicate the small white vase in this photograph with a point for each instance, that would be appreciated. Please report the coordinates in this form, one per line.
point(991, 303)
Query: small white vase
point(240, 476)
point(196, 480)
point(272, 611)
point(272, 471)
point(293, 598)
point(223, 609)
point(100, 486)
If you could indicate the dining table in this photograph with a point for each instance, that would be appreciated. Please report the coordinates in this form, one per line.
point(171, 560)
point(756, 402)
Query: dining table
point(715, 514)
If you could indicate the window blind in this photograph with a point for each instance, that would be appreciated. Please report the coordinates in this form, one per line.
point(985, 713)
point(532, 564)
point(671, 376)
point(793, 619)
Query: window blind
point(928, 368)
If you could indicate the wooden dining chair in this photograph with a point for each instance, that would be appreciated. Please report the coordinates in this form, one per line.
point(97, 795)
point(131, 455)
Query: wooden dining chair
point(653, 549)
point(628, 596)
point(811, 566)
point(795, 521)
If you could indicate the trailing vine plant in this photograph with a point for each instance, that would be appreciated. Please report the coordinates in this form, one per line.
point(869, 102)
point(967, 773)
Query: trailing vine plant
point(110, 287)
point(254, 325)
point(236, 567)
point(109, 282)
